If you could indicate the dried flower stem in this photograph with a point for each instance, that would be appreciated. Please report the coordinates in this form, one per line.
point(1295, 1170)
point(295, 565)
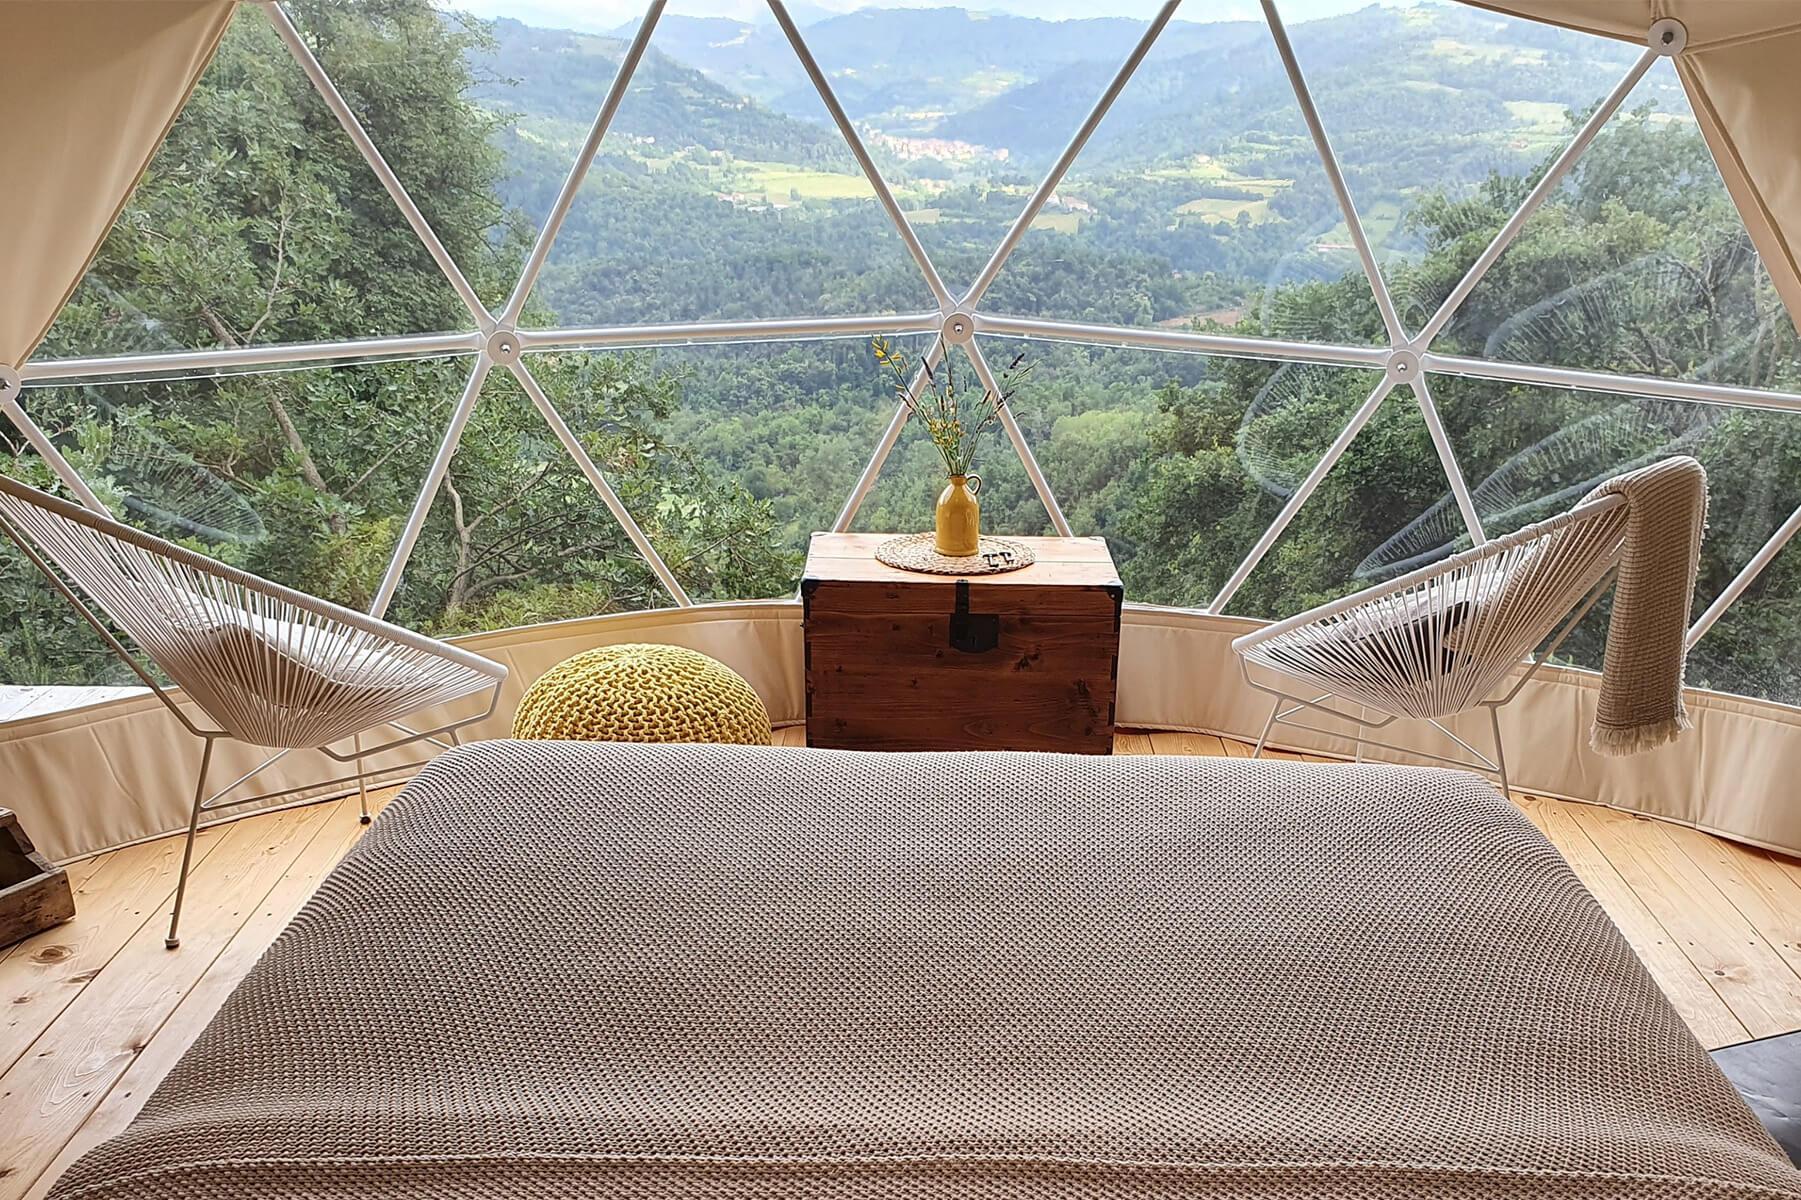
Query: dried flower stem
point(956, 429)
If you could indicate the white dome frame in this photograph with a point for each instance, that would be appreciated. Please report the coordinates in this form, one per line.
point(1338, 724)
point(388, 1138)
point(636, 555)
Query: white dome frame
point(497, 340)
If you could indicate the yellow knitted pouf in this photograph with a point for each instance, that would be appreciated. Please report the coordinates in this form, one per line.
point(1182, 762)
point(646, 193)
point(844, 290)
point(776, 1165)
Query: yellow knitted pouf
point(642, 693)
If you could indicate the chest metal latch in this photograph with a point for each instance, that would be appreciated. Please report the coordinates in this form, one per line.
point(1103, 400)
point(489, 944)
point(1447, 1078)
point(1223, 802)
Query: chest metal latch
point(972, 633)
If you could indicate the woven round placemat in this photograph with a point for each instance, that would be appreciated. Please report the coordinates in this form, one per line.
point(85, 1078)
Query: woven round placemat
point(917, 552)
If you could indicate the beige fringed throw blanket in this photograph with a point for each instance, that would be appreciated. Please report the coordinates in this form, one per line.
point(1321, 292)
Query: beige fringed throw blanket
point(1641, 675)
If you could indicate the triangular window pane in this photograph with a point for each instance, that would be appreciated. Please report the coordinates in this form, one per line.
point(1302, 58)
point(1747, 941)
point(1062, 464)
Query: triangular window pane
point(702, 205)
point(1530, 453)
point(1753, 649)
point(1200, 203)
point(1637, 263)
point(740, 452)
point(420, 80)
point(1180, 461)
point(1424, 103)
point(258, 222)
point(1387, 478)
point(516, 535)
point(966, 111)
point(303, 477)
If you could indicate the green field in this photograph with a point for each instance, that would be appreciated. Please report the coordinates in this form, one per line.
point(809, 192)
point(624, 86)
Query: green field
point(783, 181)
point(1489, 52)
point(1215, 211)
point(1204, 169)
point(1381, 221)
point(986, 84)
point(1539, 116)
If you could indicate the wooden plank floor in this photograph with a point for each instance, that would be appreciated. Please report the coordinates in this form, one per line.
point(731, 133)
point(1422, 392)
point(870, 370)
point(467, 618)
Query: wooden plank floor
point(97, 1011)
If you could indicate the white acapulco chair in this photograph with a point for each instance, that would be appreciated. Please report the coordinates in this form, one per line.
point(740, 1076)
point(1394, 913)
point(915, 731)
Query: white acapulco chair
point(266, 664)
point(1443, 639)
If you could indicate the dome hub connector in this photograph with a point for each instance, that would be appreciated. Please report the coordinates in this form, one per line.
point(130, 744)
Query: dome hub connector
point(1667, 37)
point(502, 347)
point(958, 328)
point(1403, 365)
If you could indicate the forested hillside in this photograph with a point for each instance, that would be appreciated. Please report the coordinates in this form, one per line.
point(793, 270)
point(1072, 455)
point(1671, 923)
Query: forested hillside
point(900, 66)
point(722, 193)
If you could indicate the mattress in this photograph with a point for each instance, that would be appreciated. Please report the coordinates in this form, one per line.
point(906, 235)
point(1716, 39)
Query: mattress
point(566, 970)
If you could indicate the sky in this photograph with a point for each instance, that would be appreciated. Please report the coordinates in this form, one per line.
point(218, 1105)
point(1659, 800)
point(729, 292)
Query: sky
point(606, 15)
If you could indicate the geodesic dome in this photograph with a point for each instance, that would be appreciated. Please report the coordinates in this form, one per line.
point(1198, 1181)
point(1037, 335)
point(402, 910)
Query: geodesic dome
point(107, 82)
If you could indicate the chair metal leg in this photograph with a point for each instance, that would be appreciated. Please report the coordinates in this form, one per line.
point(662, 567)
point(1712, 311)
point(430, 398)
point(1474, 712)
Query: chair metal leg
point(187, 851)
point(362, 782)
point(1267, 726)
point(1494, 720)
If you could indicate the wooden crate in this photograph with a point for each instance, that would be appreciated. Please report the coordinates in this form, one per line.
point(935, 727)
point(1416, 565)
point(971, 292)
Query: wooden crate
point(898, 660)
point(33, 894)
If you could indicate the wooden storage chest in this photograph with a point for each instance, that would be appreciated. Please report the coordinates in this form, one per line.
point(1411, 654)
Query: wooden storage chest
point(34, 895)
point(1026, 660)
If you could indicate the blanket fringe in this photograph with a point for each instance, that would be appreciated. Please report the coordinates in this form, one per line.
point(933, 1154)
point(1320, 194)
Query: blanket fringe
point(1635, 739)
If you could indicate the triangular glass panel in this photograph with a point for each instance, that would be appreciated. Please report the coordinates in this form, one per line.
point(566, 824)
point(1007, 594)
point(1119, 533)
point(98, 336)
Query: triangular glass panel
point(737, 453)
point(1637, 263)
point(702, 205)
point(1388, 477)
point(43, 641)
point(1433, 108)
point(1200, 203)
point(1531, 453)
point(303, 477)
point(1753, 649)
point(421, 81)
point(1180, 461)
point(258, 222)
point(966, 111)
point(516, 534)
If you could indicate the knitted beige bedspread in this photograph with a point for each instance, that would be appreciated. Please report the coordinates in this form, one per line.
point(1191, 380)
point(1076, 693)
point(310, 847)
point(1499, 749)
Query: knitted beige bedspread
point(557, 970)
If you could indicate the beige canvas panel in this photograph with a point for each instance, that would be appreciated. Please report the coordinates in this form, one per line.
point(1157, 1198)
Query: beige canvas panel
point(1710, 23)
point(92, 87)
point(1747, 97)
point(122, 771)
point(86, 779)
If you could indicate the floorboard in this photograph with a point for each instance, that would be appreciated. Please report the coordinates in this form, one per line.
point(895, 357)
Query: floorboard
point(49, 1092)
point(48, 972)
point(336, 834)
point(98, 1011)
point(1761, 989)
point(1688, 988)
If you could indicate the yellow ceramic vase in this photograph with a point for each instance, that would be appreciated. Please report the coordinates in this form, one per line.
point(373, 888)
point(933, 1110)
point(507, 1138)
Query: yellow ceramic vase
point(960, 517)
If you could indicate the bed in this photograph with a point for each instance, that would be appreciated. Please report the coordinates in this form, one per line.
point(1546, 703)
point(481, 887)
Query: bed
point(566, 970)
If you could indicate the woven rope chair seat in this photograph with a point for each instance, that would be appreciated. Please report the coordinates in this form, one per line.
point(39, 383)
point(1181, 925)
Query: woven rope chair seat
point(273, 666)
point(1438, 640)
point(642, 693)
